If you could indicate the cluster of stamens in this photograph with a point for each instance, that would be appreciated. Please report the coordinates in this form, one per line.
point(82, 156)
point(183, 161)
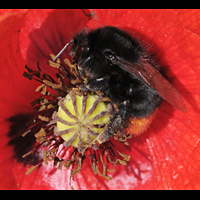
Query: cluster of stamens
point(70, 122)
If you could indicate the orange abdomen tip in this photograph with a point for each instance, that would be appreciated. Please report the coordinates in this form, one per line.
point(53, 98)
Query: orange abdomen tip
point(138, 126)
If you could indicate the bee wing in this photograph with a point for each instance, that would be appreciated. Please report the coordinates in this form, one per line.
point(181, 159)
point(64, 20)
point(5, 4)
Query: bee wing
point(152, 77)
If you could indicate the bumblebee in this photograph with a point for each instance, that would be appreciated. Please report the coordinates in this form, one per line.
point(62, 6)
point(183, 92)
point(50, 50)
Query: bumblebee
point(114, 63)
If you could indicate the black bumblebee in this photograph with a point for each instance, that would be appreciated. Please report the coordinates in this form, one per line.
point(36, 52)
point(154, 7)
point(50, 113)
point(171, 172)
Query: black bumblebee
point(116, 64)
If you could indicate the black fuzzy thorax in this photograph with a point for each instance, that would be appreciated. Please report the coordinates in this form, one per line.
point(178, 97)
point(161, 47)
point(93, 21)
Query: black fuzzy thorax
point(119, 86)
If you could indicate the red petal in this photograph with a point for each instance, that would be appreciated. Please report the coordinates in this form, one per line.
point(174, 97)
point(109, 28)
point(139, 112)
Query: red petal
point(11, 87)
point(188, 19)
point(47, 31)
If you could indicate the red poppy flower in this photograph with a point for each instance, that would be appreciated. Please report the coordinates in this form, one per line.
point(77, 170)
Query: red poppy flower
point(167, 156)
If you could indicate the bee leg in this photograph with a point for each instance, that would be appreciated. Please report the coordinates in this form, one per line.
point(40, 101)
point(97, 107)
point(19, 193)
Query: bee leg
point(116, 125)
point(95, 84)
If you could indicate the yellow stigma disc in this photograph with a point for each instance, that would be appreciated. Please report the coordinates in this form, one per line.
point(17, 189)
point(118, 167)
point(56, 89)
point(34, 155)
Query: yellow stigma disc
point(81, 118)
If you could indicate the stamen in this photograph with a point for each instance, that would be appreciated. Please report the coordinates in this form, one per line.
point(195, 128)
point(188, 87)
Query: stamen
point(68, 121)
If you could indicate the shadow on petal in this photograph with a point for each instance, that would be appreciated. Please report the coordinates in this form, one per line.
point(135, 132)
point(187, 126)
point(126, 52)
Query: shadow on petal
point(58, 29)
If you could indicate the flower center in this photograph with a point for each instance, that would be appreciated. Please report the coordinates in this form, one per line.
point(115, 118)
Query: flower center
point(81, 118)
point(71, 122)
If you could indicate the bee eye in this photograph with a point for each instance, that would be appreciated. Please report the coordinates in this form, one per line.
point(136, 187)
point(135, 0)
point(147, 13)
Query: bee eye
point(109, 55)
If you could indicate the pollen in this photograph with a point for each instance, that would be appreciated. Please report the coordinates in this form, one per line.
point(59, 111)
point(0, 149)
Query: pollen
point(81, 118)
point(70, 123)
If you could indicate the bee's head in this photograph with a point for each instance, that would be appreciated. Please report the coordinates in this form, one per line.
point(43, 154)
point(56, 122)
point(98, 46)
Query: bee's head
point(94, 51)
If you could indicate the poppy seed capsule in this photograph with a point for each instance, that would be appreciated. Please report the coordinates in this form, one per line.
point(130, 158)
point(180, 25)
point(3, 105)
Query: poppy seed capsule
point(81, 118)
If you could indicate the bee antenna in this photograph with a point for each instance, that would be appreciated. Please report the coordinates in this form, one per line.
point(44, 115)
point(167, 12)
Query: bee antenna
point(63, 50)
